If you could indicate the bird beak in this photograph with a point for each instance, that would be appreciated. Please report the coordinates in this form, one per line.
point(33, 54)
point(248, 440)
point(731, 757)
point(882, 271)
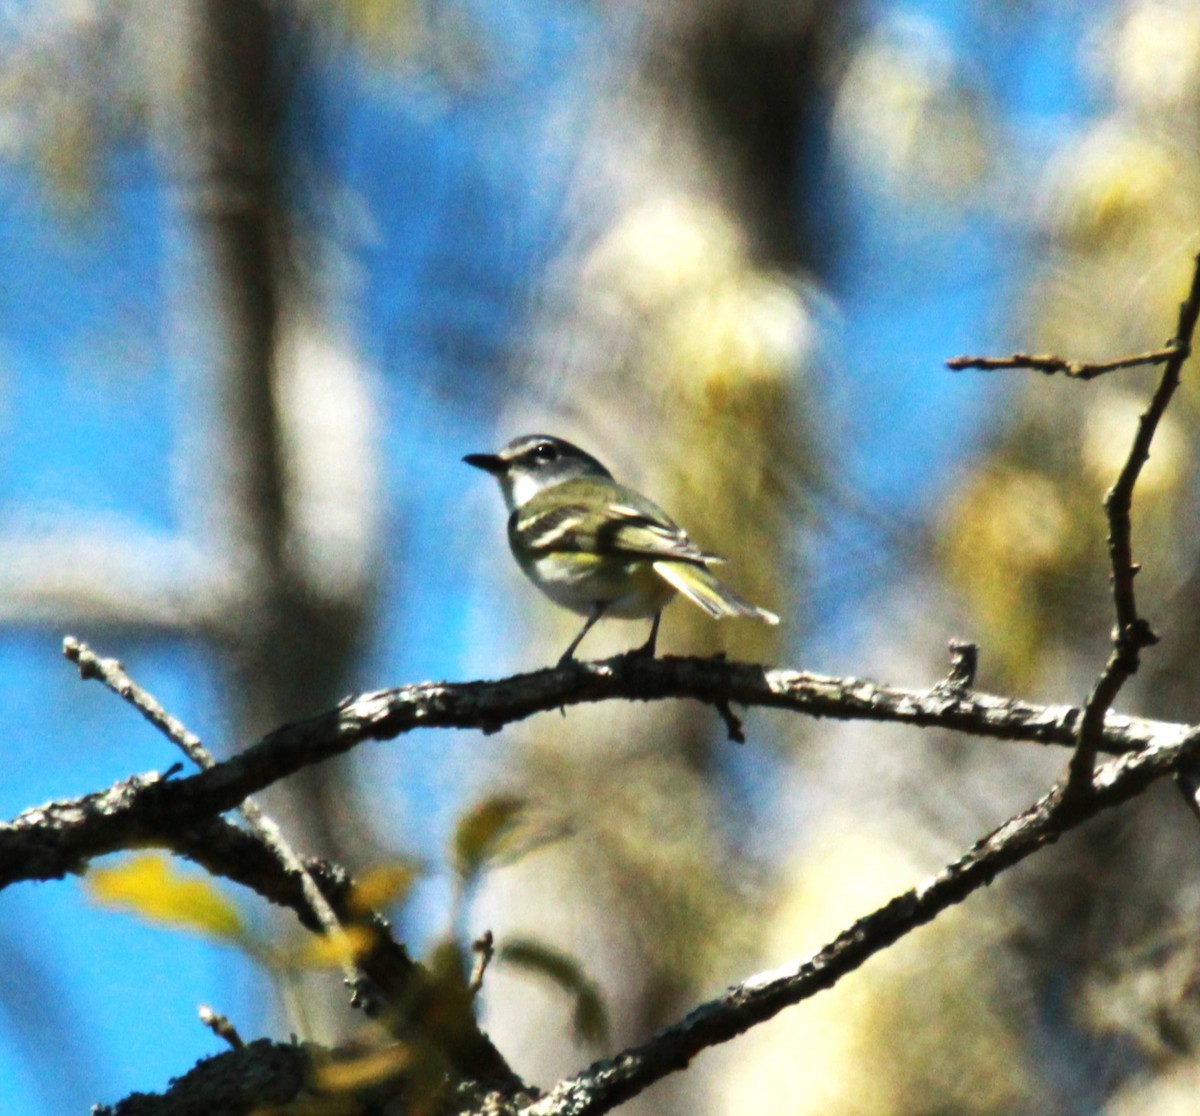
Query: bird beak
point(488, 462)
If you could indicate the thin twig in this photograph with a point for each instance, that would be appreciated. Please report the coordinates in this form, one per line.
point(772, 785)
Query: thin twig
point(484, 948)
point(112, 673)
point(964, 662)
point(1075, 369)
point(1132, 632)
point(220, 1026)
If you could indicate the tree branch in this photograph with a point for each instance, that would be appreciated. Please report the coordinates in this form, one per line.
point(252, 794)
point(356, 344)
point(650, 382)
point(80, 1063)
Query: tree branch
point(606, 1084)
point(113, 675)
point(1132, 632)
point(321, 894)
point(49, 841)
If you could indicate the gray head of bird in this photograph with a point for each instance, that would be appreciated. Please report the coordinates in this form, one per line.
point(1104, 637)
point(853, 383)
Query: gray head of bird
point(534, 462)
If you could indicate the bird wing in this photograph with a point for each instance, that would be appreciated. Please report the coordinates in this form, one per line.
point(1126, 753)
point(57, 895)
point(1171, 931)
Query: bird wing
point(620, 522)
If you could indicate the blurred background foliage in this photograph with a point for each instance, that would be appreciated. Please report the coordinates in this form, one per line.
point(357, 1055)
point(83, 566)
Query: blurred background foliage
point(270, 268)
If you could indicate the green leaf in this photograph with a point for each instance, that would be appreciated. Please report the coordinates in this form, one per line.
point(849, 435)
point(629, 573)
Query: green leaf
point(590, 1020)
point(485, 832)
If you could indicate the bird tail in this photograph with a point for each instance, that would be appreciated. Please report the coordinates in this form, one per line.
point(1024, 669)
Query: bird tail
point(714, 596)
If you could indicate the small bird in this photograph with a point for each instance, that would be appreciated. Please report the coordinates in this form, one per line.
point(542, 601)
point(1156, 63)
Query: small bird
point(597, 547)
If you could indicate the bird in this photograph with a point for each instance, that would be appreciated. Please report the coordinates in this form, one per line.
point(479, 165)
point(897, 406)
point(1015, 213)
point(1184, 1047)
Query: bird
point(597, 547)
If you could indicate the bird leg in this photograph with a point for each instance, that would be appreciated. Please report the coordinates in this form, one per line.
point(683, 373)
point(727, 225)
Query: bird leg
point(647, 648)
point(597, 611)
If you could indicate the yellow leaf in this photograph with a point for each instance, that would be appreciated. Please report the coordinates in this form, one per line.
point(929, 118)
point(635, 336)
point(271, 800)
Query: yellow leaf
point(361, 1071)
point(332, 950)
point(152, 886)
point(381, 886)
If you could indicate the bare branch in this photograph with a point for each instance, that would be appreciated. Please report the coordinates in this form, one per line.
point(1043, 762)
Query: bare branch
point(150, 808)
point(48, 841)
point(733, 723)
point(1132, 632)
point(1075, 369)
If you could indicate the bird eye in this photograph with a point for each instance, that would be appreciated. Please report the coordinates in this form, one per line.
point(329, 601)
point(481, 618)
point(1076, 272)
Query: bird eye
point(544, 452)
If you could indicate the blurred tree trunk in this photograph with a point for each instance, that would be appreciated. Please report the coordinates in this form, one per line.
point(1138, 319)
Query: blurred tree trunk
point(290, 638)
